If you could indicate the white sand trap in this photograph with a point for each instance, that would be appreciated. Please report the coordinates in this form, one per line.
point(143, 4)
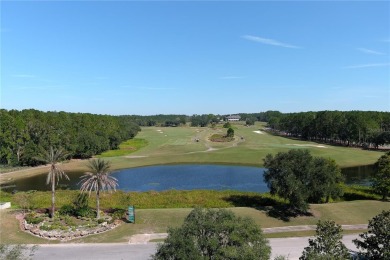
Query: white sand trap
point(309, 145)
point(158, 130)
point(136, 156)
point(258, 132)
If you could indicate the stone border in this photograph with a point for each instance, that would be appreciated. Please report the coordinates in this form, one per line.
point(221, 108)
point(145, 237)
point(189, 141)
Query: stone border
point(61, 234)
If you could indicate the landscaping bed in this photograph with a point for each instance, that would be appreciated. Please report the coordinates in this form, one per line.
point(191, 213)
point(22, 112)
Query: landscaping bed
point(65, 227)
point(221, 138)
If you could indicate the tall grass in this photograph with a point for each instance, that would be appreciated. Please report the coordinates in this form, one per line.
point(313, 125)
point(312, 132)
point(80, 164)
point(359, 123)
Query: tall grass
point(153, 199)
point(174, 198)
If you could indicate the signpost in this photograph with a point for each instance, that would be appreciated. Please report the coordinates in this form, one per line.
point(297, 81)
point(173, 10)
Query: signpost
point(131, 214)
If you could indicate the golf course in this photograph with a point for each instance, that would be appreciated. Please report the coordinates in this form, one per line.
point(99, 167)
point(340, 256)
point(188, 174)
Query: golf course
point(192, 145)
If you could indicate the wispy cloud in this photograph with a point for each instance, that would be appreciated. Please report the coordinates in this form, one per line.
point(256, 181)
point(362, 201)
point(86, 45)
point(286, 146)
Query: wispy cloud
point(369, 65)
point(368, 51)
point(231, 77)
point(23, 76)
point(269, 41)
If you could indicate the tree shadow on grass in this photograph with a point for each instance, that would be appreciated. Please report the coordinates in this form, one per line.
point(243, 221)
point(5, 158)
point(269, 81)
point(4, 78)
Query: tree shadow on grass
point(269, 205)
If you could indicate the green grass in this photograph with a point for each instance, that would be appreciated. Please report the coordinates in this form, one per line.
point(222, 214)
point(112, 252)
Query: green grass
point(158, 220)
point(126, 148)
point(178, 145)
point(155, 211)
point(174, 145)
point(150, 199)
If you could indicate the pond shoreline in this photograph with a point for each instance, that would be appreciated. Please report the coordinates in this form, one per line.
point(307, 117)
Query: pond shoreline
point(188, 176)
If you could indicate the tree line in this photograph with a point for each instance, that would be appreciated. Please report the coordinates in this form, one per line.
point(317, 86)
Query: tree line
point(367, 129)
point(27, 133)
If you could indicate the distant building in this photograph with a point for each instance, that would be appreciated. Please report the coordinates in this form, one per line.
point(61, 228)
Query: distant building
point(233, 118)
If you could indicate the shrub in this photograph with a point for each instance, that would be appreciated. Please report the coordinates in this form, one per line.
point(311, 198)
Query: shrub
point(33, 219)
point(85, 212)
point(101, 220)
point(118, 214)
point(66, 210)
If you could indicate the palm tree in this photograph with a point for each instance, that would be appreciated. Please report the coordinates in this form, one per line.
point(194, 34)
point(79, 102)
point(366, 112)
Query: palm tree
point(52, 157)
point(98, 179)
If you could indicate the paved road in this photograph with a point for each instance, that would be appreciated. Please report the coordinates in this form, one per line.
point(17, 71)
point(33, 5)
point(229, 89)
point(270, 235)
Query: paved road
point(95, 251)
point(291, 247)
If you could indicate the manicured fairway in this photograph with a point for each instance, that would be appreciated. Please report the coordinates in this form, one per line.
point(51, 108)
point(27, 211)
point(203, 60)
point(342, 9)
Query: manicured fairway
point(175, 145)
point(178, 145)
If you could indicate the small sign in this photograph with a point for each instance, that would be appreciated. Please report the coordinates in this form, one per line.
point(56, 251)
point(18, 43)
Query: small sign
point(131, 214)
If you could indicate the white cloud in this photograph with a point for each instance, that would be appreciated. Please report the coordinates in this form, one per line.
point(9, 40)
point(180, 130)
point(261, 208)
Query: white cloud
point(369, 65)
point(368, 51)
point(269, 41)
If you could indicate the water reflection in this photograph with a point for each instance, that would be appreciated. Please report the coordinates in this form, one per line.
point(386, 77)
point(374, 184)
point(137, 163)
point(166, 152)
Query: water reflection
point(360, 175)
point(186, 177)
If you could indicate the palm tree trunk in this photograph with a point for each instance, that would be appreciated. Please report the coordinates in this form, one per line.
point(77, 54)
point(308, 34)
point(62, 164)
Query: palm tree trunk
point(53, 197)
point(97, 204)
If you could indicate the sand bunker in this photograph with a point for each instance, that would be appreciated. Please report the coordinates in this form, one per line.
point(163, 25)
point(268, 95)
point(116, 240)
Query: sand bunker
point(135, 156)
point(309, 145)
point(258, 132)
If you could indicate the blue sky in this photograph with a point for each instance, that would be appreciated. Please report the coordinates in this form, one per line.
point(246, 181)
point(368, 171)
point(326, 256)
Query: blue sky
point(187, 57)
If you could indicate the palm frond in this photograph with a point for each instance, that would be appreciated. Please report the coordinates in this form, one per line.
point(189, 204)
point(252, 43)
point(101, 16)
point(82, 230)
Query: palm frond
point(99, 178)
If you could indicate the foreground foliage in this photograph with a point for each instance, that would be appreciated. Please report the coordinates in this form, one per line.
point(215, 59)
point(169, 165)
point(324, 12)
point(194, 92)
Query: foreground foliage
point(327, 243)
point(214, 234)
point(16, 252)
point(376, 241)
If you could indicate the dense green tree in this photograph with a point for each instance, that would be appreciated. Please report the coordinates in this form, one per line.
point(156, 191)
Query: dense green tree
point(376, 241)
point(326, 244)
point(250, 121)
point(381, 178)
point(367, 129)
point(227, 125)
point(53, 157)
point(98, 179)
point(214, 234)
point(300, 178)
point(325, 180)
point(230, 132)
point(24, 133)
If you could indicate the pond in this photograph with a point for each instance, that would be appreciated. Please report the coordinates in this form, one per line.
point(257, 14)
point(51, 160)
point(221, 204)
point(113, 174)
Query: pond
point(186, 177)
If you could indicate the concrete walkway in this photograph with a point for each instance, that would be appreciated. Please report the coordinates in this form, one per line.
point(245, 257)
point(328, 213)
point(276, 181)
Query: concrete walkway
point(145, 238)
point(290, 247)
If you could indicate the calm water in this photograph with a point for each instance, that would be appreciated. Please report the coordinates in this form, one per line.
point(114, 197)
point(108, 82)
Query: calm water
point(186, 177)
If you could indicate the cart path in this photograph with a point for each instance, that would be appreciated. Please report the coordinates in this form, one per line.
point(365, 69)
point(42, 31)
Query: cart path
point(146, 238)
